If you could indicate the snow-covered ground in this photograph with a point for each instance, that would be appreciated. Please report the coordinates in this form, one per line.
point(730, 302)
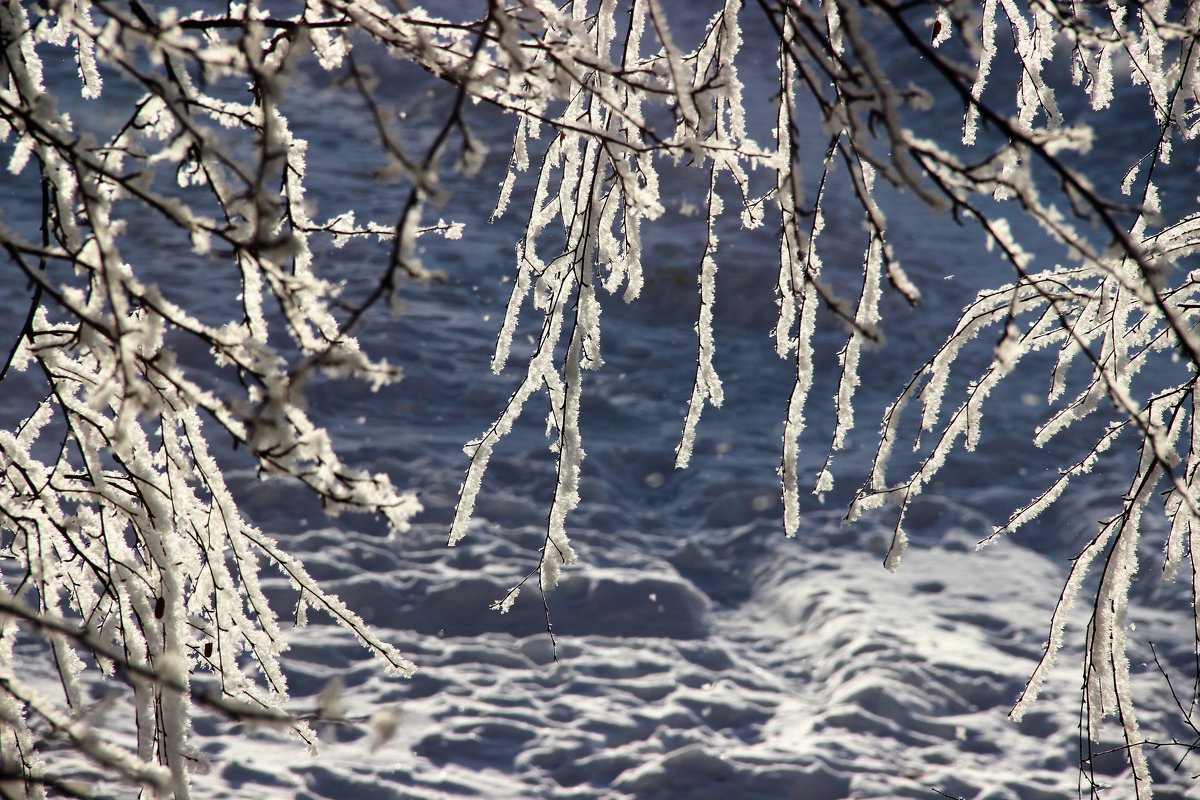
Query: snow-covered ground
point(734, 668)
point(722, 662)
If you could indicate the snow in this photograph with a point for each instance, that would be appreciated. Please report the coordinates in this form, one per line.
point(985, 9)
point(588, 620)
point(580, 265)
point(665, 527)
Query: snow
point(737, 668)
point(697, 652)
point(700, 653)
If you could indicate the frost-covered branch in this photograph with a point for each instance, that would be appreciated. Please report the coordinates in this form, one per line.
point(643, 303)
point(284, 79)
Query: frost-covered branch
point(1107, 320)
point(125, 549)
point(114, 511)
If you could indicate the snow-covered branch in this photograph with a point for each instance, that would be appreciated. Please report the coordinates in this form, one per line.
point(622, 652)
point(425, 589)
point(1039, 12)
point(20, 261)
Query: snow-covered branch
point(125, 547)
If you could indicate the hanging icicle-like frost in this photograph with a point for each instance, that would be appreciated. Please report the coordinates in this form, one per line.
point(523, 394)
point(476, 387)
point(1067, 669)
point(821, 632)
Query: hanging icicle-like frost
point(865, 329)
point(1104, 317)
point(707, 386)
point(986, 55)
point(133, 552)
point(797, 295)
point(727, 129)
point(598, 183)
